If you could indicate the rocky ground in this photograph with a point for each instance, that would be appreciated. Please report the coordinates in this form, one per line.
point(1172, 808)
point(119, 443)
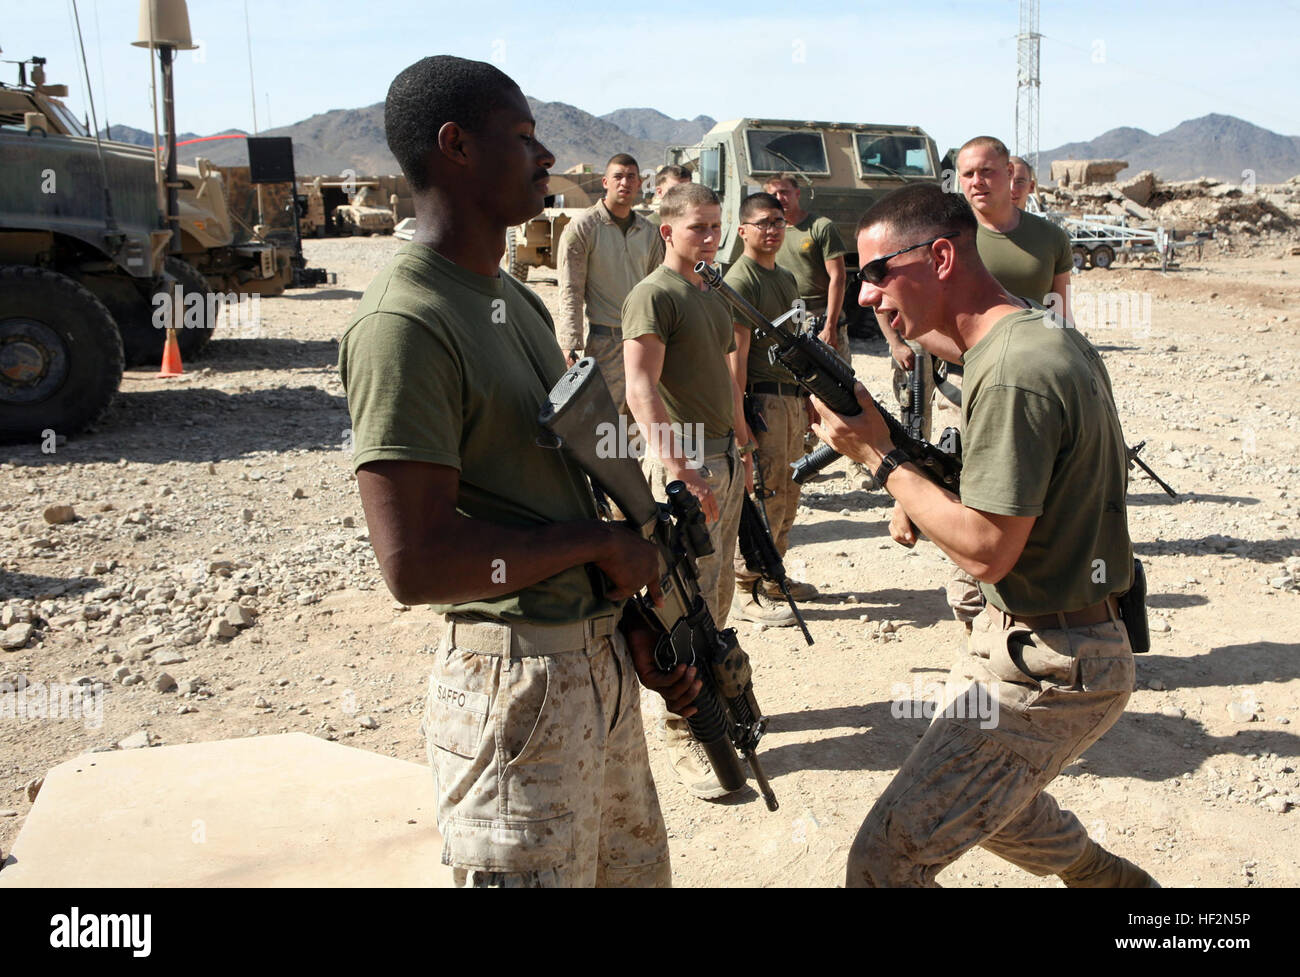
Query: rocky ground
point(212, 578)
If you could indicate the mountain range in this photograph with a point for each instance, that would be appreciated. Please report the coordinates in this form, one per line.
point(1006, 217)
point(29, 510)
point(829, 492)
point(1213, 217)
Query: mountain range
point(1221, 147)
point(1217, 146)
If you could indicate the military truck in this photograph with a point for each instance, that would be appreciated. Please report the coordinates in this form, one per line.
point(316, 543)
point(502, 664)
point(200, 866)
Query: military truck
point(533, 243)
point(231, 257)
point(843, 167)
point(82, 251)
point(367, 213)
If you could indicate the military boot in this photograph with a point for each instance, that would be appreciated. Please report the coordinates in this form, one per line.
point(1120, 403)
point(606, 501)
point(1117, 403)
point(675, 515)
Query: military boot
point(745, 608)
point(1099, 869)
point(689, 761)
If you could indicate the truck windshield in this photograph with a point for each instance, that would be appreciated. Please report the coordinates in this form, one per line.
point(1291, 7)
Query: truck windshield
point(70, 123)
point(892, 155)
point(777, 150)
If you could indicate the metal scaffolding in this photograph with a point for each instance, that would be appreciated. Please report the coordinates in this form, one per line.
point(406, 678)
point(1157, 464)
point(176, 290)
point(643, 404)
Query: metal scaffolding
point(1028, 81)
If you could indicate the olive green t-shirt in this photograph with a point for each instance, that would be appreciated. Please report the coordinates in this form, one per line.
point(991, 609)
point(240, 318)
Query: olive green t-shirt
point(1042, 438)
point(446, 366)
point(772, 293)
point(1026, 258)
point(807, 247)
point(695, 327)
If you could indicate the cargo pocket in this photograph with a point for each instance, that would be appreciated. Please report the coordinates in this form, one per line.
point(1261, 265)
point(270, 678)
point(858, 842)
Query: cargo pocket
point(525, 735)
point(509, 845)
point(461, 690)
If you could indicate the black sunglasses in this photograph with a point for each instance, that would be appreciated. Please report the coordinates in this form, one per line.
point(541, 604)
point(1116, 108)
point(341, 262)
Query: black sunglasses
point(875, 270)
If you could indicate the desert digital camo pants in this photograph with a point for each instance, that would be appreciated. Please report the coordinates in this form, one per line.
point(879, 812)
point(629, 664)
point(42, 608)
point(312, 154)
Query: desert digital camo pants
point(1057, 691)
point(539, 758)
point(725, 475)
point(608, 352)
point(778, 447)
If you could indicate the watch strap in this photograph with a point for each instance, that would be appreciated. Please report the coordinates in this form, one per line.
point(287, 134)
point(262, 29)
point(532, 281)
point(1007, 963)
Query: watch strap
point(887, 465)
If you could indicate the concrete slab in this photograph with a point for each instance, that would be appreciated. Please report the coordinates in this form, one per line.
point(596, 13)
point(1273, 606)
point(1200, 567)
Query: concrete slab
point(287, 810)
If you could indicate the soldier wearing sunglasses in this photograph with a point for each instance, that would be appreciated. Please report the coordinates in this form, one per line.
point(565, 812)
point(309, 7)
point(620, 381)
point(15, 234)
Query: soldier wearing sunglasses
point(1040, 523)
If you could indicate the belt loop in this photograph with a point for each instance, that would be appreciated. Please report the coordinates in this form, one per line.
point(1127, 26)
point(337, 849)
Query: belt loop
point(1060, 621)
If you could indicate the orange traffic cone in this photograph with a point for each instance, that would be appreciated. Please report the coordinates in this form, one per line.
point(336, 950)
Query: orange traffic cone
point(171, 359)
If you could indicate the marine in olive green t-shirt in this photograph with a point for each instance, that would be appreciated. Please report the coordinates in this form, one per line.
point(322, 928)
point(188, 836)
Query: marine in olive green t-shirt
point(1042, 438)
point(695, 327)
point(446, 366)
point(772, 292)
point(1025, 259)
point(808, 245)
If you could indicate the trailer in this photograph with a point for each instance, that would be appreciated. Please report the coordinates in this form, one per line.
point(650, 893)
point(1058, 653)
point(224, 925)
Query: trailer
point(1096, 239)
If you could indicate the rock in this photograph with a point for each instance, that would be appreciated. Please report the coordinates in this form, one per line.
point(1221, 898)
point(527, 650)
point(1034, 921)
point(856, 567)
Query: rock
point(1241, 712)
point(13, 682)
point(135, 679)
point(298, 493)
point(8, 814)
point(183, 710)
point(164, 683)
point(56, 515)
point(349, 522)
point(1277, 804)
point(1159, 625)
point(367, 722)
point(169, 658)
point(221, 628)
point(190, 636)
point(33, 787)
point(190, 686)
point(237, 615)
point(121, 674)
point(261, 703)
point(15, 636)
point(1176, 459)
point(246, 515)
point(1172, 712)
point(1156, 685)
point(1139, 188)
point(137, 740)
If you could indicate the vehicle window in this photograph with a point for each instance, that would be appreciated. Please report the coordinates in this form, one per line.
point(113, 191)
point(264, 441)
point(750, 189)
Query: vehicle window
point(711, 167)
point(892, 155)
point(778, 150)
point(68, 120)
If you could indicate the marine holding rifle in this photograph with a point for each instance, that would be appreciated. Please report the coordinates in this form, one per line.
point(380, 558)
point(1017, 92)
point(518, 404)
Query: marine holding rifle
point(1040, 522)
point(771, 394)
point(447, 365)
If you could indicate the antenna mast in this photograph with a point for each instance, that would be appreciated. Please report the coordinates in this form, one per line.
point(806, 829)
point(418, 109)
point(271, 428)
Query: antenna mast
point(1028, 81)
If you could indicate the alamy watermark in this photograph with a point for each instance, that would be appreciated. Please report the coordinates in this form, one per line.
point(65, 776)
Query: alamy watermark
point(36, 700)
point(237, 314)
point(626, 440)
point(925, 700)
point(1129, 311)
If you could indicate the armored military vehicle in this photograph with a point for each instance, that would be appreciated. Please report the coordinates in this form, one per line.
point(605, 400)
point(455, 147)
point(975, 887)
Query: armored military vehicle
point(231, 257)
point(844, 168)
point(366, 213)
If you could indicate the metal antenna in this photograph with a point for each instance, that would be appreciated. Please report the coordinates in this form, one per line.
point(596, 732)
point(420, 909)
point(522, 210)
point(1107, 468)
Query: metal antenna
point(1028, 81)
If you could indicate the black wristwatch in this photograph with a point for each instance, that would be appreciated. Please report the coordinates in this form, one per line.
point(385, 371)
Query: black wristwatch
point(887, 465)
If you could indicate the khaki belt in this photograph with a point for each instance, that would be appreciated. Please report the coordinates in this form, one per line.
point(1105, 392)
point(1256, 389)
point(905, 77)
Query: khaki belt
point(610, 331)
point(523, 640)
point(769, 387)
point(1096, 613)
point(713, 447)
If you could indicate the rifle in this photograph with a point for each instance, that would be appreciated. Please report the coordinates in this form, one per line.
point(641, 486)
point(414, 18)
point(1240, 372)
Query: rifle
point(759, 548)
point(727, 716)
point(1134, 459)
point(816, 368)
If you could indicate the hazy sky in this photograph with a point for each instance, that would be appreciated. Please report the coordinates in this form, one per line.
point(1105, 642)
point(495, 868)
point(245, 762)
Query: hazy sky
point(949, 67)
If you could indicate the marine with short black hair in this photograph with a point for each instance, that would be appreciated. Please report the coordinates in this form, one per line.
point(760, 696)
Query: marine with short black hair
point(447, 364)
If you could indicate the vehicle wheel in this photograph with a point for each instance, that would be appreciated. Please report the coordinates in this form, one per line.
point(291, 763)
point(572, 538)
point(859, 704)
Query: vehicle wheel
point(1080, 256)
point(510, 260)
point(1103, 256)
point(60, 354)
point(142, 339)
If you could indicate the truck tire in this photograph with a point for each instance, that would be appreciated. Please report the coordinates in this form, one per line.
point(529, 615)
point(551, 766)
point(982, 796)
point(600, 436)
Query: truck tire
point(142, 340)
point(1079, 255)
point(1103, 256)
point(60, 354)
point(510, 260)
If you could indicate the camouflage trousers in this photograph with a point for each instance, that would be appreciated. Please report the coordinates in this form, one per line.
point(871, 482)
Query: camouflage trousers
point(539, 758)
point(975, 781)
point(940, 412)
point(608, 353)
point(725, 475)
point(779, 446)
